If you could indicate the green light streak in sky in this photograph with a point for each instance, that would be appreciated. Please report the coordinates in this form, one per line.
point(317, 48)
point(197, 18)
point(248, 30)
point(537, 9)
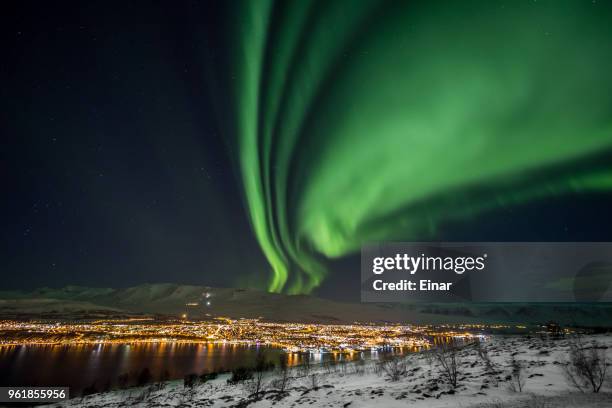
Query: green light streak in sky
point(370, 120)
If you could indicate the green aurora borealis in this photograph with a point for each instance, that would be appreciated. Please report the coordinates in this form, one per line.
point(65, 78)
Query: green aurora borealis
point(357, 121)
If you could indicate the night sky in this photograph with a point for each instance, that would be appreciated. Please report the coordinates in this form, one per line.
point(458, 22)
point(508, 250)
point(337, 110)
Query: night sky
point(232, 144)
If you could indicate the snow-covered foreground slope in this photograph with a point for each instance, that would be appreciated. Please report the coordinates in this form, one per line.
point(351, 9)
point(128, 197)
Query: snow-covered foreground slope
point(366, 385)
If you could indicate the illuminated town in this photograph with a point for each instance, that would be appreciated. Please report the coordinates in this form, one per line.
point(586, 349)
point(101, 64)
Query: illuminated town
point(292, 337)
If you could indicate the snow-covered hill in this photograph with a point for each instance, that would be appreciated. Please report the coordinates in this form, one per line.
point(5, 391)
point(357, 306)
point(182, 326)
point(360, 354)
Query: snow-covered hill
point(421, 386)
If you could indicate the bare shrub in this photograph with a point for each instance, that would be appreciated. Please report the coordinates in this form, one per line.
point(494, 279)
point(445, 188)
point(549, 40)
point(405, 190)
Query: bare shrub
point(164, 377)
point(447, 356)
point(239, 375)
point(330, 366)
point(261, 367)
point(359, 367)
point(429, 358)
point(587, 366)
point(394, 367)
point(306, 366)
point(490, 368)
point(378, 368)
point(517, 375)
point(313, 381)
point(342, 363)
point(483, 354)
point(284, 374)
